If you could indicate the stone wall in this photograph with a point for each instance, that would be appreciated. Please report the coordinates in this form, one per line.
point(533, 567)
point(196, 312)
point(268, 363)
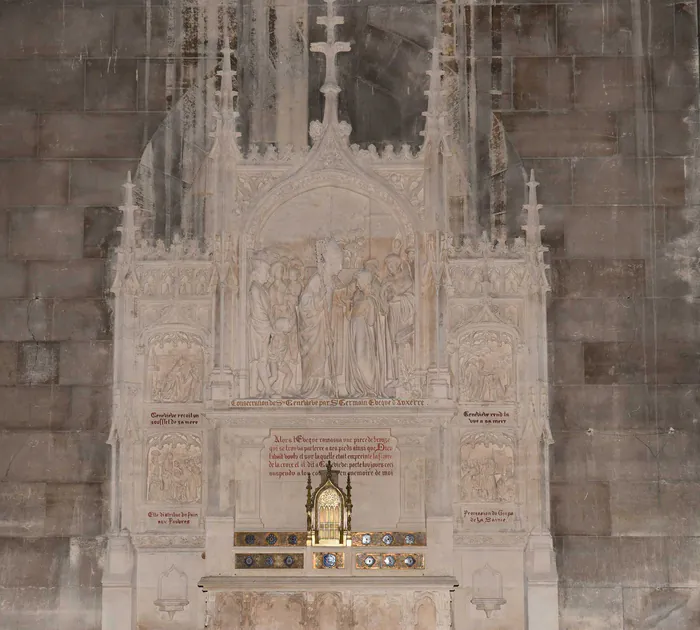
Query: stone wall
point(600, 105)
point(594, 95)
point(74, 116)
point(598, 96)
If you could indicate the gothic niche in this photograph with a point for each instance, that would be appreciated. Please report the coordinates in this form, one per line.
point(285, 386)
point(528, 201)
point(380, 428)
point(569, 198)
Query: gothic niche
point(487, 366)
point(426, 615)
point(332, 316)
point(328, 612)
point(279, 611)
point(487, 469)
point(487, 590)
point(385, 612)
point(174, 468)
point(172, 592)
point(176, 368)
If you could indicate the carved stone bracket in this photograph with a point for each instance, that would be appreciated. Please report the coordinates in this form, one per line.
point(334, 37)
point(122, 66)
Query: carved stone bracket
point(172, 592)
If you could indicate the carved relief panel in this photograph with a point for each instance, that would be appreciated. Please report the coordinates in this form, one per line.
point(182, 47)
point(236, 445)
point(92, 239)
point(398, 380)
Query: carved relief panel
point(487, 469)
point(175, 368)
point(486, 366)
point(331, 315)
point(174, 468)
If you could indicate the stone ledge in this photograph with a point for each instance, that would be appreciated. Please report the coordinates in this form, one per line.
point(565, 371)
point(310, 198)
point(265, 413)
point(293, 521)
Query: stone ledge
point(326, 583)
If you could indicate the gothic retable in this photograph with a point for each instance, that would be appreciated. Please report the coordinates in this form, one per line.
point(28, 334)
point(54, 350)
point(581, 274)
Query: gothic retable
point(325, 313)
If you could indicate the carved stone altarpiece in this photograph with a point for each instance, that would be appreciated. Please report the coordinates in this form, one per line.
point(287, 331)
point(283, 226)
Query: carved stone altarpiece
point(323, 312)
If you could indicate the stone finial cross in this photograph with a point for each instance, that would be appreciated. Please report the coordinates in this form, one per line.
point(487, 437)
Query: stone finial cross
point(330, 48)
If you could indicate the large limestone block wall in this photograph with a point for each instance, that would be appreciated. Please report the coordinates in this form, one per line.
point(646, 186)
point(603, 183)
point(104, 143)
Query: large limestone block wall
point(599, 98)
point(75, 112)
point(596, 96)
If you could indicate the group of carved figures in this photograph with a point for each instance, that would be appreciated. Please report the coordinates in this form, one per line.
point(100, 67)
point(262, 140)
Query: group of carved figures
point(486, 367)
point(181, 381)
point(487, 473)
point(341, 333)
point(175, 471)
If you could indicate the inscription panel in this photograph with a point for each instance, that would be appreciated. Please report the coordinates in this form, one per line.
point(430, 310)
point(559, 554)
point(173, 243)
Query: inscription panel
point(290, 453)
point(370, 456)
point(168, 518)
point(174, 419)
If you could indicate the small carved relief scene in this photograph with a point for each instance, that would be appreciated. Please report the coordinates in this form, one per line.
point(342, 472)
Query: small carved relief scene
point(174, 468)
point(486, 367)
point(176, 366)
point(487, 471)
point(331, 301)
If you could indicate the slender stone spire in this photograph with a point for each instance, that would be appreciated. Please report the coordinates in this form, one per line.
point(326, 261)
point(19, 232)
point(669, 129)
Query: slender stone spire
point(434, 117)
point(227, 94)
point(128, 208)
point(436, 147)
point(533, 227)
point(330, 48)
point(436, 129)
point(219, 182)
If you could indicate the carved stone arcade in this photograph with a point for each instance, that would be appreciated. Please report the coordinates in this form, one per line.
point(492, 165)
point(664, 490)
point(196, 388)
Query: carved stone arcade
point(327, 315)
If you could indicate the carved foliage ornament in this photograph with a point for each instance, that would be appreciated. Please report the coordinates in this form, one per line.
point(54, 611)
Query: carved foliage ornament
point(192, 313)
point(173, 281)
point(464, 313)
point(253, 184)
point(410, 184)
